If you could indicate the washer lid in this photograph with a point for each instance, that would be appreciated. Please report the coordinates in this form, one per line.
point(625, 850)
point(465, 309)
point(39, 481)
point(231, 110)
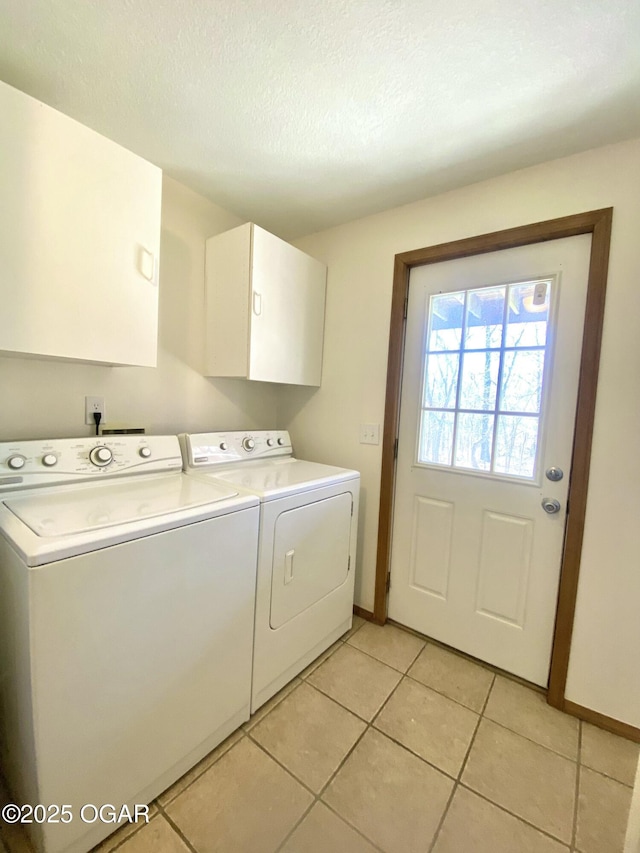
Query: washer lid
point(279, 477)
point(72, 510)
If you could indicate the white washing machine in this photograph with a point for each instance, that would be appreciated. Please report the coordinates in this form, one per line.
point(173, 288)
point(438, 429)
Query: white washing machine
point(126, 623)
point(307, 550)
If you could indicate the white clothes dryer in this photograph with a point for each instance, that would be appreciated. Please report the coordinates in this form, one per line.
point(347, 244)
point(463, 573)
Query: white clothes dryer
point(126, 623)
point(307, 546)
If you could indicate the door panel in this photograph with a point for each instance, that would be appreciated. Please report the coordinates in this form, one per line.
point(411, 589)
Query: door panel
point(488, 403)
point(505, 557)
point(431, 545)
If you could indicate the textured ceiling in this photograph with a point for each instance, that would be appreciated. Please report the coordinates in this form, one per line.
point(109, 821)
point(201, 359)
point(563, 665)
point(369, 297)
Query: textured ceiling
point(299, 114)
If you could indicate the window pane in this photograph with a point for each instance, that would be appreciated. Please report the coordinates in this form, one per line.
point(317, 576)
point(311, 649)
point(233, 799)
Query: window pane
point(445, 316)
point(516, 445)
point(485, 311)
point(436, 437)
point(479, 380)
point(522, 381)
point(526, 321)
point(441, 381)
point(473, 441)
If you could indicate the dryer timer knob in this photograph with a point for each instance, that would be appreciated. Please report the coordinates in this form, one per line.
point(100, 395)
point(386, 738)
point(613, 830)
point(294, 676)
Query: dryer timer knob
point(16, 462)
point(101, 456)
point(145, 452)
point(248, 443)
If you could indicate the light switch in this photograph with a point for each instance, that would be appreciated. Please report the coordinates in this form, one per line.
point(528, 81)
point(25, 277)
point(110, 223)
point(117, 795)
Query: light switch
point(369, 433)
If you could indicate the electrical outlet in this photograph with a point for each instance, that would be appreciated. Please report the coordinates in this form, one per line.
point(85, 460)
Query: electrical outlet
point(369, 433)
point(91, 405)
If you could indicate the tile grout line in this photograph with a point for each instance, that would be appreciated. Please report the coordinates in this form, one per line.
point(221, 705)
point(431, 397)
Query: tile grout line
point(384, 663)
point(534, 742)
point(280, 764)
point(297, 823)
point(344, 707)
point(445, 695)
point(457, 780)
point(486, 798)
point(351, 826)
point(481, 717)
point(403, 673)
point(408, 749)
point(333, 648)
point(318, 796)
point(127, 837)
point(456, 783)
point(202, 772)
point(177, 829)
point(606, 775)
point(574, 828)
point(368, 727)
point(290, 686)
point(495, 670)
point(518, 817)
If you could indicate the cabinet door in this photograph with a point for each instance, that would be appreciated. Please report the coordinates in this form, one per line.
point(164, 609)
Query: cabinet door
point(79, 240)
point(287, 312)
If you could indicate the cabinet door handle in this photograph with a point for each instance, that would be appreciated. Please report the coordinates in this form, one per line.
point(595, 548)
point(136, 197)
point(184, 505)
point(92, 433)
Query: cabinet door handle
point(257, 303)
point(288, 567)
point(147, 264)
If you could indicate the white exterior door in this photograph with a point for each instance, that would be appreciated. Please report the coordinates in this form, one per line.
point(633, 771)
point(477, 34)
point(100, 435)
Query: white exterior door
point(489, 388)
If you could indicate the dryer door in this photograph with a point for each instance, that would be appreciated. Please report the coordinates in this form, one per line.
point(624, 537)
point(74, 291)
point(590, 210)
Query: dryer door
point(310, 555)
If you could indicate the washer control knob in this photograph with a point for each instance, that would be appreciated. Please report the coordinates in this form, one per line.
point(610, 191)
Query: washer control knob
point(270, 442)
point(49, 459)
point(223, 445)
point(16, 462)
point(100, 456)
point(281, 441)
point(145, 452)
point(248, 444)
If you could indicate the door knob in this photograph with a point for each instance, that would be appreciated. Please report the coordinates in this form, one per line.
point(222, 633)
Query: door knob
point(554, 474)
point(550, 505)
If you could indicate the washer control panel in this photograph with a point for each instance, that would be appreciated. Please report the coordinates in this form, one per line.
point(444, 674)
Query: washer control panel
point(24, 464)
point(223, 448)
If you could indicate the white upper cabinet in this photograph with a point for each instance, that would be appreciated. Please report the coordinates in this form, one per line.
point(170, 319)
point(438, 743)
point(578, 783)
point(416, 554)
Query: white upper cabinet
point(79, 240)
point(265, 308)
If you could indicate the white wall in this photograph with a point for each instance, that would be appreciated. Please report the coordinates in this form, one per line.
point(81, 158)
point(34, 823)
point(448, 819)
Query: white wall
point(41, 398)
point(604, 672)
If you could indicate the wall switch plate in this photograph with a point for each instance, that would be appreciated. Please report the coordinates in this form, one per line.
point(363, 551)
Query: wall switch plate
point(91, 405)
point(369, 433)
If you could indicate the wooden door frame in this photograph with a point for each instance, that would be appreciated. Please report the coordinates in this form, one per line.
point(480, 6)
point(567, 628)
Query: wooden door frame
point(598, 224)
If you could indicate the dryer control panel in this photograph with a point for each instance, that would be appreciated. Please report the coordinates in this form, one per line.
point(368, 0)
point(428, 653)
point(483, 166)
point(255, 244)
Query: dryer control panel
point(222, 448)
point(51, 462)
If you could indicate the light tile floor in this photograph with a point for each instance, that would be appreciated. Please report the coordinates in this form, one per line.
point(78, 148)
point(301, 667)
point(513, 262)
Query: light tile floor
point(392, 743)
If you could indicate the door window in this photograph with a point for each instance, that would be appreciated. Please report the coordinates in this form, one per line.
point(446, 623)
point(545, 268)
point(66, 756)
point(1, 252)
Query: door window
point(485, 362)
